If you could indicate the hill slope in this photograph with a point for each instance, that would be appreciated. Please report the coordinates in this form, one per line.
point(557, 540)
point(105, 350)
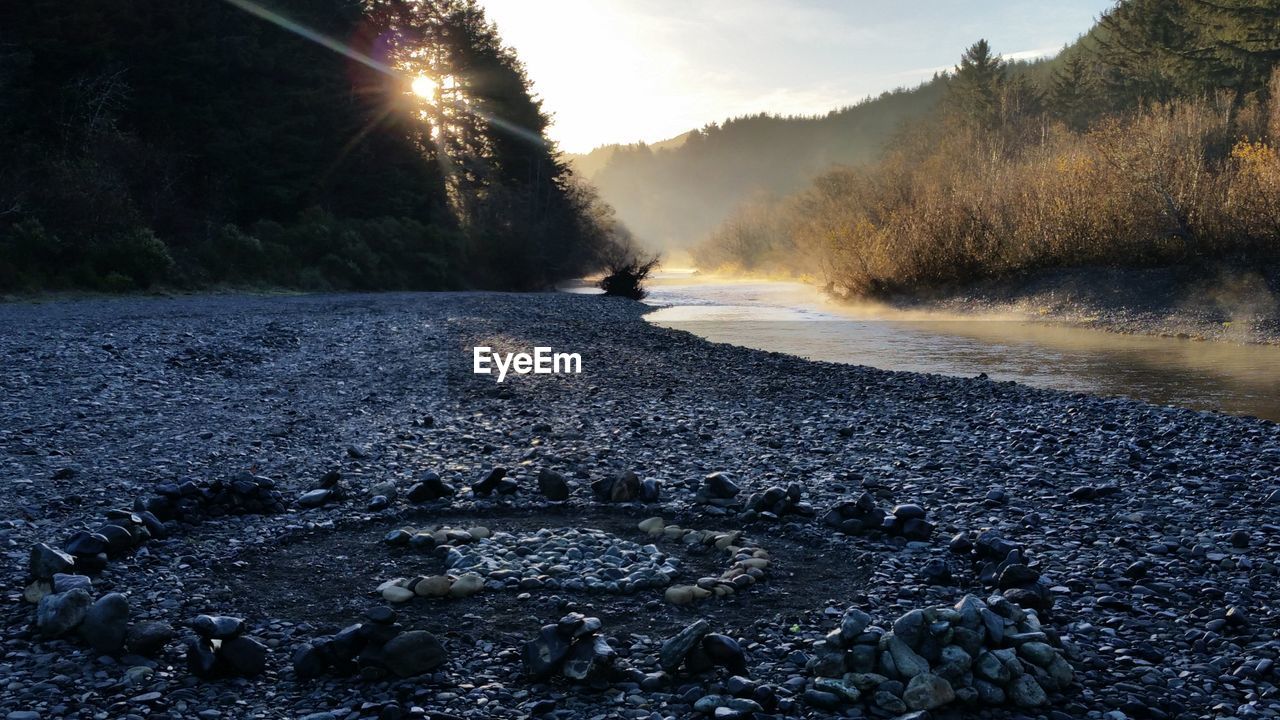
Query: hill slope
point(672, 194)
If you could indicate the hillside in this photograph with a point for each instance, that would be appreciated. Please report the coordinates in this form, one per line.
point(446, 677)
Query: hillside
point(1154, 141)
point(588, 165)
point(672, 194)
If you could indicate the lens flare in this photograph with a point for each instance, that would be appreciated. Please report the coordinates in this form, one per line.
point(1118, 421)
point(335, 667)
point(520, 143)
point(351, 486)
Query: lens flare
point(424, 87)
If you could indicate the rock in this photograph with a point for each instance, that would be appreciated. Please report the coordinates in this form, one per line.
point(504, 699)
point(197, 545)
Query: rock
point(1017, 575)
point(1024, 691)
point(821, 699)
point(679, 595)
point(927, 691)
point(720, 485)
point(585, 656)
point(624, 487)
point(890, 703)
point(853, 623)
point(675, 649)
point(936, 572)
point(47, 561)
point(138, 674)
point(466, 585)
point(36, 591)
point(84, 544)
point(63, 583)
point(650, 490)
point(119, 539)
point(397, 594)
point(381, 614)
point(60, 613)
point(386, 488)
point(544, 654)
point(314, 498)
point(149, 638)
point(201, 660)
point(905, 660)
point(652, 526)
point(1237, 616)
point(1038, 653)
point(309, 662)
point(413, 653)
point(217, 627)
point(489, 483)
point(378, 503)
point(431, 487)
point(1061, 672)
point(106, 623)
point(552, 485)
point(989, 693)
point(907, 511)
point(244, 655)
point(434, 586)
point(989, 667)
point(910, 628)
point(725, 652)
point(420, 493)
point(838, 687)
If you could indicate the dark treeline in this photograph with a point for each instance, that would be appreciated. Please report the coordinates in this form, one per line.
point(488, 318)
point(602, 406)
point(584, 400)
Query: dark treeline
point(190, 143)
point(672, 192)
point(1149, 142)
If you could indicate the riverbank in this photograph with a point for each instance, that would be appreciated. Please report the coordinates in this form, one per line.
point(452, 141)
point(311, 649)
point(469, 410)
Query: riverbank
point(1152, 528)
point(1215, 304)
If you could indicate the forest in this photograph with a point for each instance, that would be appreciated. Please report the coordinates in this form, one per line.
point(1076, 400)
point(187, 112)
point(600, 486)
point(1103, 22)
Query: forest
point(325, 144)
point(1151, 141)
point(669, 192)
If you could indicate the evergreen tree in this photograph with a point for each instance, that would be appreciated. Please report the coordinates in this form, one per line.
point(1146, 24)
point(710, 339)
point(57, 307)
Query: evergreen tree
point(977, 85)
point(195, 130)
point(1072, 95)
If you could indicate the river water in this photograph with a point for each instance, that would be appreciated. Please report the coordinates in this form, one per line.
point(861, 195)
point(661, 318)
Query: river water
point(796, 319)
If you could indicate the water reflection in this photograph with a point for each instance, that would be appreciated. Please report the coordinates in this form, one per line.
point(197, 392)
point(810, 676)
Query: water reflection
point(795, 319)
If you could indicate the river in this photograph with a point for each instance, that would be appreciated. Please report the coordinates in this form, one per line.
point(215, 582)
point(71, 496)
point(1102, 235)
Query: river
point(796, 319)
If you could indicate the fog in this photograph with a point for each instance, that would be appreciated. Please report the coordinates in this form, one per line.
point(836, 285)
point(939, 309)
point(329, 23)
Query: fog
point(1006, 344)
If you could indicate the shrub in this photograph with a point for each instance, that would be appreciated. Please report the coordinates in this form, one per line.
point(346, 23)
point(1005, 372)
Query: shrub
point(137, 254)
point(625, 277)
point(1173, 183)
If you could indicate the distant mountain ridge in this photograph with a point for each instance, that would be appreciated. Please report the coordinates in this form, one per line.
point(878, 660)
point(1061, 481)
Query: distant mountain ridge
point(587, 165)
point(672, 193)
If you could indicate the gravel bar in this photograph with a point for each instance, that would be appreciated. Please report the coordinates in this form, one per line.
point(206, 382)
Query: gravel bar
point(1155, 532)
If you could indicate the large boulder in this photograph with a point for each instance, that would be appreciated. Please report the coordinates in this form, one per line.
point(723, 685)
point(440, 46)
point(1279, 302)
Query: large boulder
point(60, 613)
point(106, 624)
point(47, 561)
point(413, 653)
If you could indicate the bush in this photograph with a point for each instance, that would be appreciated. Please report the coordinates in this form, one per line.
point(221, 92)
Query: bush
point(137, 254)
point(33, 256)
point(625, 278)
point(1174, 183)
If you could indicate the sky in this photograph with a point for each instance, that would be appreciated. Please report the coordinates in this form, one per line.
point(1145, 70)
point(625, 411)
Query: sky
point(622, 71)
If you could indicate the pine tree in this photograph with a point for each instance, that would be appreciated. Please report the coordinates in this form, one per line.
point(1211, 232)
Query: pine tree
point(977, 85)
point(1237, 40)
point(1072, 95)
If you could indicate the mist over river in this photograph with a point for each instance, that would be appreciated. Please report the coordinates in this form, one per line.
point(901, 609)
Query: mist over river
point(796, 319)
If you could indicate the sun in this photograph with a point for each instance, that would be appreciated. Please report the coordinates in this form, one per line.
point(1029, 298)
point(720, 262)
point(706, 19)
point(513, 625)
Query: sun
point(424, 87)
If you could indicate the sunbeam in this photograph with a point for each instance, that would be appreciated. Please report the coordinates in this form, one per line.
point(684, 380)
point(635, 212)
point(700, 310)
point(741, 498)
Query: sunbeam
point(415, 82)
